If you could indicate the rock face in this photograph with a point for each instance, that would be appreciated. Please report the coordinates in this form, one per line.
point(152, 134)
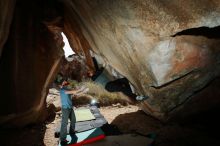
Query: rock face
point(148, 42)
point(167, 50)
point(29, 61)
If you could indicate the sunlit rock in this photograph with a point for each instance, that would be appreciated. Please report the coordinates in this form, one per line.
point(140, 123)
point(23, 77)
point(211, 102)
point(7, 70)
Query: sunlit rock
point(142, 40)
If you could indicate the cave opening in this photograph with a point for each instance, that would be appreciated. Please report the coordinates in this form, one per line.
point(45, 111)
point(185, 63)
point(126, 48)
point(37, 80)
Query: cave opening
point(68, 51)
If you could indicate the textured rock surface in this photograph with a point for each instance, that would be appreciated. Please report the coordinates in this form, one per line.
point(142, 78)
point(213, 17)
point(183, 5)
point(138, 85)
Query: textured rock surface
point(77, 41)
point(29, 61)
point(138, 39)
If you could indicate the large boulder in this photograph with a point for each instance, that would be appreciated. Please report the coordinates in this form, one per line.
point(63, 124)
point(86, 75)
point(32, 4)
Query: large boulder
point(167, 50)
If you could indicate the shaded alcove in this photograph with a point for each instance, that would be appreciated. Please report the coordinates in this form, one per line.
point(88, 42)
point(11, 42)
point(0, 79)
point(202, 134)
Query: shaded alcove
point(31, 58)
point(27, 65)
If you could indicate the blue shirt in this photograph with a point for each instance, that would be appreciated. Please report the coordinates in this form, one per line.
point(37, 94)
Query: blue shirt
point(66, 99)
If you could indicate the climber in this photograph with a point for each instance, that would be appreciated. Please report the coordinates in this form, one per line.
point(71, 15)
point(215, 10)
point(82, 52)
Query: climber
point(123, 85)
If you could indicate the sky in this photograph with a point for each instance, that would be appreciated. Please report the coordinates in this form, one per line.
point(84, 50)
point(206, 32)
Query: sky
point(67, 49)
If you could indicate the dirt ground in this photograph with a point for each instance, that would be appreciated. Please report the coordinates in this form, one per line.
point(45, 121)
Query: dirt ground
point(201, 130)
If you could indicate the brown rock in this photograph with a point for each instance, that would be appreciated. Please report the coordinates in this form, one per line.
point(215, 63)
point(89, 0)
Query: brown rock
point(29, 62)
point(140, 40)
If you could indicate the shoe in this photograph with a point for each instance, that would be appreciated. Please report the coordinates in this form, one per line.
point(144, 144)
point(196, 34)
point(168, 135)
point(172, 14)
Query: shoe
point(141, 98)
point(64, 142)
point(72, 133)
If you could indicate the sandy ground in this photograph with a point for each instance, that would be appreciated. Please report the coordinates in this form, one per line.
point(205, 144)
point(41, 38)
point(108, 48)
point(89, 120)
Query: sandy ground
point(110, 113)
point(200, 130)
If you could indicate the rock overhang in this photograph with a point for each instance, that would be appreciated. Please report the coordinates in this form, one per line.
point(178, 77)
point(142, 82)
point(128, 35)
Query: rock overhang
point(140, 40)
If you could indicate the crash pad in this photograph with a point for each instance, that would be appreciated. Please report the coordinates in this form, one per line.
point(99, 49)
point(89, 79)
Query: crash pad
point(86, 137)
point(87, 125)
point(124, 140)
point(94, 109)
point(83, 115)
point(83, 126)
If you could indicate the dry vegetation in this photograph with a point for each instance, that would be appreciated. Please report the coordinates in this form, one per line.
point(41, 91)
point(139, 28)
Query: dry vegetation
point(104, 97)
